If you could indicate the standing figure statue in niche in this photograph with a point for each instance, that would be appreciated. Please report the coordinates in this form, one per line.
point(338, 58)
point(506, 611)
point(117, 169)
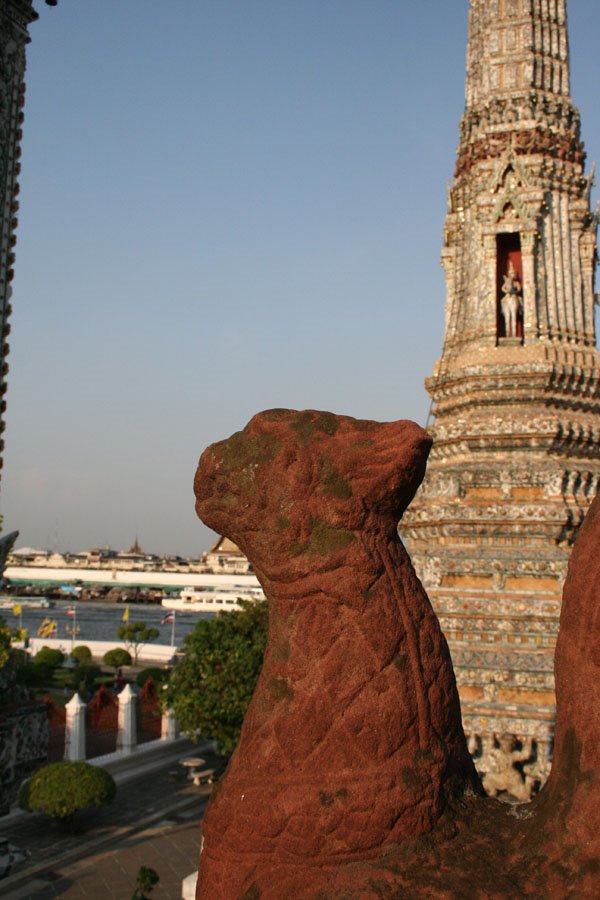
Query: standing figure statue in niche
point(503, 774)
point(511, 303)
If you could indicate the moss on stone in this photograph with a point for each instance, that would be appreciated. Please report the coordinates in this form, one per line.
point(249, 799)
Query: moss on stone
point(308, 423)
point(296, 548)
point(410, 777)
point(282, 523)
point(325, 539)
point(333, 483)
point(240, 450)
point(400, 661)
point(280, 647)
point(279, 689)
point(328, 799)
point(276, 415)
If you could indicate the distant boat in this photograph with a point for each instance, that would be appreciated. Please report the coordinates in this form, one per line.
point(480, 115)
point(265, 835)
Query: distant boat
point(26, 602)
point(207, 599)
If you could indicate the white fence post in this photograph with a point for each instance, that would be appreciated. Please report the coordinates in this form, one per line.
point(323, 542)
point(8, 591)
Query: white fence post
point(127, 737)
point(169, 726)
point(75, 729)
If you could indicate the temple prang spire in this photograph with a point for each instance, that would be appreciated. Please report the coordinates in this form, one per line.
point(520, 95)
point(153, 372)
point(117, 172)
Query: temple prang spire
point(520, 195)
point(516, 392)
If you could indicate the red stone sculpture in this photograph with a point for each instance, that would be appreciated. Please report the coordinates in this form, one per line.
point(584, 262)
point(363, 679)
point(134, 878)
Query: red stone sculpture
point(353, 737)
point(352, 778)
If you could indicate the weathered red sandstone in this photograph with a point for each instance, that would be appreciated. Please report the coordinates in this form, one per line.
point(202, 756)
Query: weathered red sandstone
point(352, 777)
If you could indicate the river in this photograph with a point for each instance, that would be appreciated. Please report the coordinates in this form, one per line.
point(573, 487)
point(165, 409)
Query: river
point(99, 621)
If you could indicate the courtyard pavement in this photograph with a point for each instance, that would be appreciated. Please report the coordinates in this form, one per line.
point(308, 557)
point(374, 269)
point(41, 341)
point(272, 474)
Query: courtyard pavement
point(153, 821)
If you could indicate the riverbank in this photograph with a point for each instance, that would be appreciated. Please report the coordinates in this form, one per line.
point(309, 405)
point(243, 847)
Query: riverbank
point(153, 579)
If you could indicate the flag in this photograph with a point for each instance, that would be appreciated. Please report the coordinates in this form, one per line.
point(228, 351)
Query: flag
point(48, 628)
point(41, 632)
point(125, 616)
point(71, 610)
point(170, 617)
point(17, 609)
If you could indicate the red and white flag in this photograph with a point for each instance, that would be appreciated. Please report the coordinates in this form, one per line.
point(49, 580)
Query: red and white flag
point(71, 611)
point(170, 617)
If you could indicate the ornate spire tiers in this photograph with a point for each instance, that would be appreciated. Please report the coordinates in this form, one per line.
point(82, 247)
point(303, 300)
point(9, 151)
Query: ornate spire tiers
point(15, 18)
point(516, 456)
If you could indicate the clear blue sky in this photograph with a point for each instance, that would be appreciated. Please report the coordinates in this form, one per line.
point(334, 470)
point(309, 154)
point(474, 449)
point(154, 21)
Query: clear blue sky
point(226, 205)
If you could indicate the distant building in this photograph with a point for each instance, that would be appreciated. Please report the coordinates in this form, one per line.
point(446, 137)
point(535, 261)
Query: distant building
point(516, 457)
point(225, 556)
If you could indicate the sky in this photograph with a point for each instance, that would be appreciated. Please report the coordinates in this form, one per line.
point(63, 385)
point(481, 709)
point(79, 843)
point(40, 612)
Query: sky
point(226, 206)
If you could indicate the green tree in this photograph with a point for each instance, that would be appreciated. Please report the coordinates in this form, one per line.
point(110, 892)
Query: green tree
point(211, 687)
point(135, 635)
point(62, 788)
point(117, 658)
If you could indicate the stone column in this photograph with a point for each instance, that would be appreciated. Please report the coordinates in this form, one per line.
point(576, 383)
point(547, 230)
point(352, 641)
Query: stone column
point(75, 729)
point(169, 726)
point(489, 282)
point(530, 323)
point(587, 251)
point(127, 737)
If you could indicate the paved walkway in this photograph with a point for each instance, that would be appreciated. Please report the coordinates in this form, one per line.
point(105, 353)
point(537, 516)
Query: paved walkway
point(154, 822)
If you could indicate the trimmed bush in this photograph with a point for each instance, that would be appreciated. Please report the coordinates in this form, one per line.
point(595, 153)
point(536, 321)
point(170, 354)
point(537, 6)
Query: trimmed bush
point(80, 677)
point(62, 676)
point(62, 788)
point(32, 675)
point(158, 676)
point(47, 656)
point(21, 657)
point(103, 680)
point(117, 658)
point(82, 654)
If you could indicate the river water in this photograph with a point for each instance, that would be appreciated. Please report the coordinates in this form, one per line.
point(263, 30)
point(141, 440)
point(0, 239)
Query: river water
point(99, 621)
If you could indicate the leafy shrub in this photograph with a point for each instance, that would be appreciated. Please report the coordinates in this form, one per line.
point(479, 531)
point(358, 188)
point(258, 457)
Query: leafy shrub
point(103, 680)
point(145, 882)
point(62, 788)
point(47, 656)
point(157, 675)
point(32, 675)
point(117, 658)
point(82, 654)
point(62, 676)
point(80, 677)
point(21, 657)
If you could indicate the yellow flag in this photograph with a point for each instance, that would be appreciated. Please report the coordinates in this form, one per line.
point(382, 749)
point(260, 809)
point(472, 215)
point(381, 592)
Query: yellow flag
point(17, 609)
point(125, 616)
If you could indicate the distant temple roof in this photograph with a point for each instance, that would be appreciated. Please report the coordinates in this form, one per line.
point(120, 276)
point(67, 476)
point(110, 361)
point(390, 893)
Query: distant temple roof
point(224, 545)
point(135, 548)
